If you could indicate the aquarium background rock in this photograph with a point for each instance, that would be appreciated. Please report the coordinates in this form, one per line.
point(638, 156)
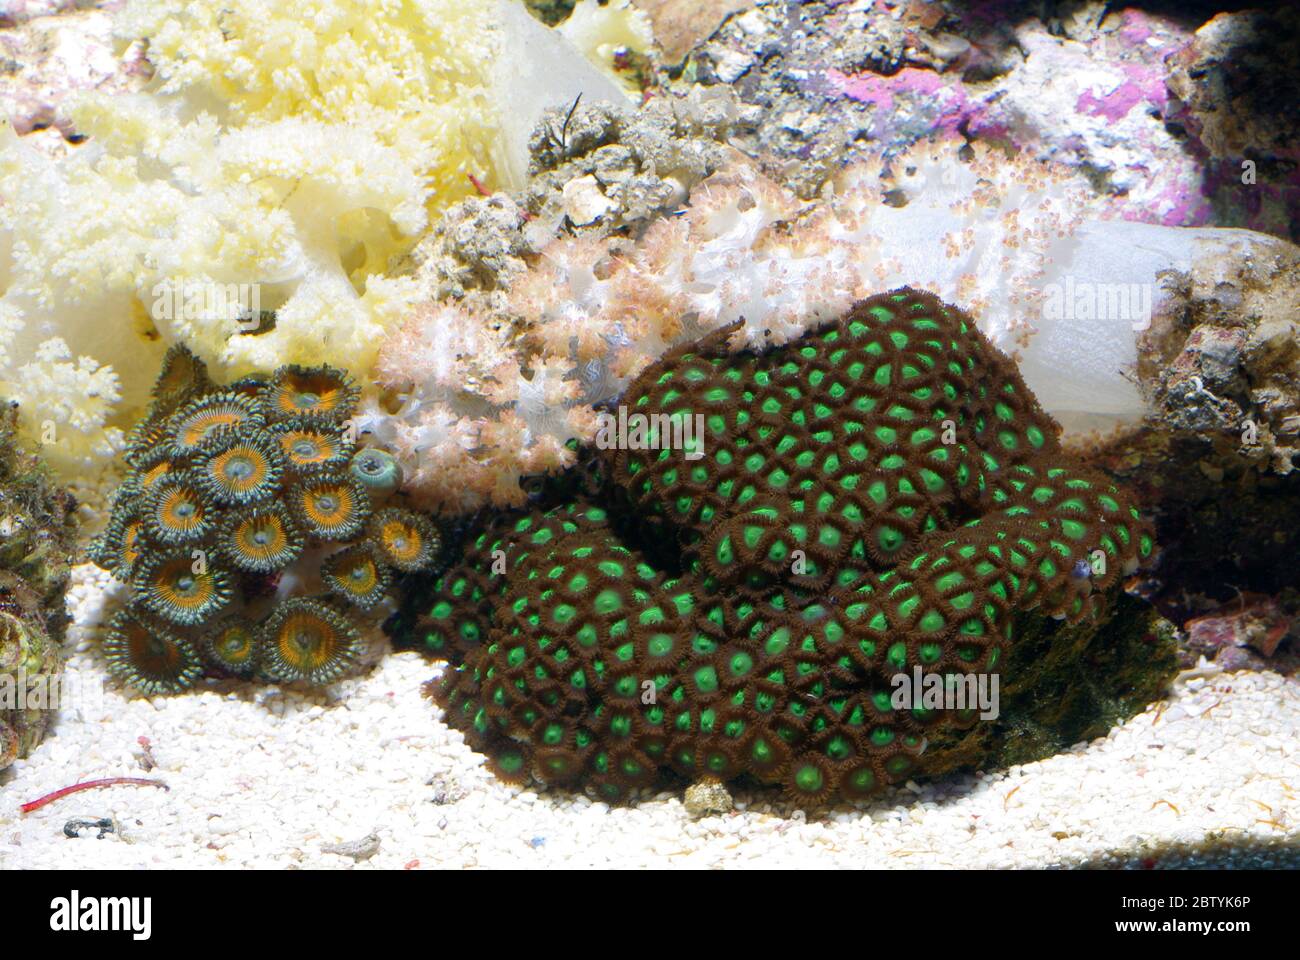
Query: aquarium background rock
point(1102, 90)
point(1216, 459)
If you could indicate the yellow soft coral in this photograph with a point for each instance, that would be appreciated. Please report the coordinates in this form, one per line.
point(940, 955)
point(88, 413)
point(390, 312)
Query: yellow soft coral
point(414, 75)
point(297, 146)
point(102, 244)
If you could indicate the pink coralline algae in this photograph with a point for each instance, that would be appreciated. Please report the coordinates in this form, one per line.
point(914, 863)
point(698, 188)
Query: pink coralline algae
point(1117, 130)
point(937, 103)
point(1117, 97)
point(1144, 85)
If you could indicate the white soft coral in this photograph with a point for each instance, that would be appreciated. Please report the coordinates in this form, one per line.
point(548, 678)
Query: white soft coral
point(72, 398)
point(472, 420)
point(981, 230)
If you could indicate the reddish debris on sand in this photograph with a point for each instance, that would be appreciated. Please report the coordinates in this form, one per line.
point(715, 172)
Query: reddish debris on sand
point(89, 785)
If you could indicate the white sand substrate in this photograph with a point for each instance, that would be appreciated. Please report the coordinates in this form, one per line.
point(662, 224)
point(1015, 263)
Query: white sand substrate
point(260, 777)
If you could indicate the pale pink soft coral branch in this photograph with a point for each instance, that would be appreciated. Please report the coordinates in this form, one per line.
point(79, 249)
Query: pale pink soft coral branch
point(473, 420)
point(493, 395)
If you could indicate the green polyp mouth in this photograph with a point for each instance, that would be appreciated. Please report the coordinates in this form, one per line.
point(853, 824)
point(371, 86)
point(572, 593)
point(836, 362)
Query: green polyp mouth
point(809, 779)
point(511, 762)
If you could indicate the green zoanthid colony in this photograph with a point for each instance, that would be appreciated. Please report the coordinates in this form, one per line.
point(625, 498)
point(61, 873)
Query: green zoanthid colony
point(880, 495)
